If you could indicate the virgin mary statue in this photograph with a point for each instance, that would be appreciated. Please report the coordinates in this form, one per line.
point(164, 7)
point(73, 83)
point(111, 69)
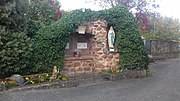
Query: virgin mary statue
point(111, 37)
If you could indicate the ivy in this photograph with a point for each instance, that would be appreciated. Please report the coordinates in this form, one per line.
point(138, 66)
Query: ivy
point(50, 42)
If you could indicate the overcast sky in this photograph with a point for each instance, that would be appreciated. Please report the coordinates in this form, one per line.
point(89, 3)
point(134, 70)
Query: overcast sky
point(77, 4)
point(168, 8)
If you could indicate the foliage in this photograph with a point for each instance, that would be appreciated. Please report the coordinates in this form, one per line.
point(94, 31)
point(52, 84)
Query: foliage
point(14, 44)
point(140, 8)
point(167, 28)
point(40, 13)
point(36, 78)
point(56, 5)
point(20, 18)
point(39, 78)
point(33, 79)
point(130, 4)
point(14, 51)
point(32, 27)
point(13, 14)
point(50, 42)
point(3, 2)
point(163, 28)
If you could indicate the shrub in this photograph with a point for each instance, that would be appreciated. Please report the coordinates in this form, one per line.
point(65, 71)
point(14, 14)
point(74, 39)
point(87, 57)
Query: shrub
point(14, 52)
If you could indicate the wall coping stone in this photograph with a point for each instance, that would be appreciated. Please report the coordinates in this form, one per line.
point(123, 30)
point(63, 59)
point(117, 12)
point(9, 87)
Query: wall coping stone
point(79, 58)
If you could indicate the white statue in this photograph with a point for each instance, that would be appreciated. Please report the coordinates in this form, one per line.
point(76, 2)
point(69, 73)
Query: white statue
point(111, 38)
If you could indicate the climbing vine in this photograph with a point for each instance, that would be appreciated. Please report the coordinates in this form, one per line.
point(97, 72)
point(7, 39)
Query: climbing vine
point(50, 42)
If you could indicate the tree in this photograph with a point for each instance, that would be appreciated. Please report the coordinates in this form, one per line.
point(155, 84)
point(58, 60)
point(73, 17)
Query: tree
point(42, 13)
point(164, 28)
point(13, 14)
point(14, 44)
point(130, 4)
point(19, 18)
point(140, 8)
point(168, 28)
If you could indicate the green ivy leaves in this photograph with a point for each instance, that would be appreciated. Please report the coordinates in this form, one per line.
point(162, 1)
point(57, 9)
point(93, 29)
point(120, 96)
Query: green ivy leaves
point(50, 42)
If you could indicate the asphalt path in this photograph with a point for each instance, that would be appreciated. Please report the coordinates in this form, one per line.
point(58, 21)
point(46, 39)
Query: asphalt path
point(163, 85)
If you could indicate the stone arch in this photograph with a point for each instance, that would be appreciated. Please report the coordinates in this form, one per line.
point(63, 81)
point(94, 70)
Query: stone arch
point(128, 40)
point(99, 58)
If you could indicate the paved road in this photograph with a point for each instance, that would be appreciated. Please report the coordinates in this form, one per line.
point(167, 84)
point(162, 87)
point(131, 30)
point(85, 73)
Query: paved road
point(164, 85)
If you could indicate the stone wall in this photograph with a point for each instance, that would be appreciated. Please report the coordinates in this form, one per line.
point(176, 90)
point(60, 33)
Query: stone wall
point(73, 65)
point(103, 58)
point(99, 56)
point(163, 49)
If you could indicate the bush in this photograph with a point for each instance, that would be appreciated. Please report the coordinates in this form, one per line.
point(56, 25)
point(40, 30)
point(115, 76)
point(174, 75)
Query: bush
point(14, 52)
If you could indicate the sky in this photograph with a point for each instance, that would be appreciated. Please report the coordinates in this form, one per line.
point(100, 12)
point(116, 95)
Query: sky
point(168, 8)
point(77, 4)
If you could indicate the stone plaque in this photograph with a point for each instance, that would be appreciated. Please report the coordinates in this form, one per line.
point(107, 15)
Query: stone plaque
point(111, 50)
point(67, 46)
point(81, 45)
point(81, 29)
